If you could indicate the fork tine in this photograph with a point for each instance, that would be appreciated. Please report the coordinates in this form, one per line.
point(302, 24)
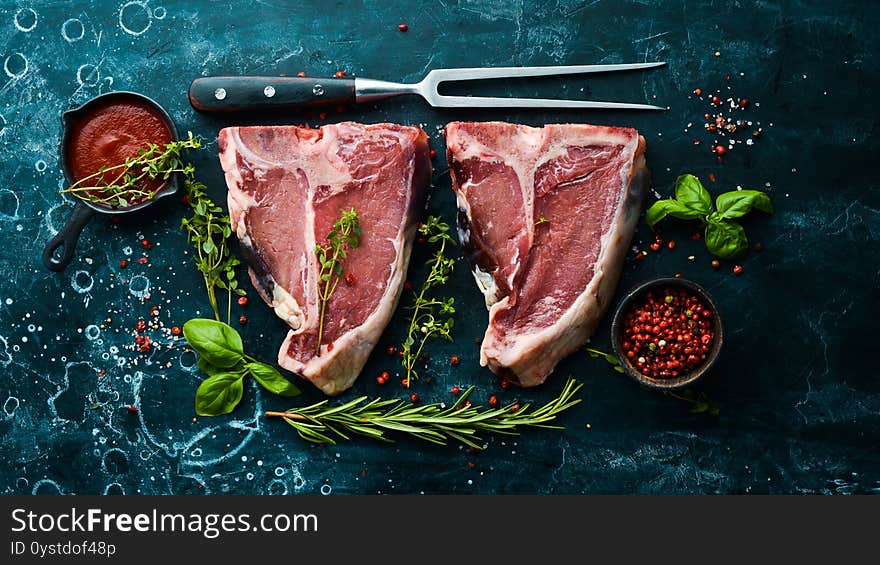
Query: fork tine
point(443, 75)
point(493, 102)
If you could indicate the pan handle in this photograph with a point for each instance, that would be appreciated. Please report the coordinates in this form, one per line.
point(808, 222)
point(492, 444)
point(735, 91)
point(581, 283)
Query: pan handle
point(67, 238)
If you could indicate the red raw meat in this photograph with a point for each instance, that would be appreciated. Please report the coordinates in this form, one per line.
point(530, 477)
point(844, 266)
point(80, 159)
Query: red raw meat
point(287, 186)
point(546, 215)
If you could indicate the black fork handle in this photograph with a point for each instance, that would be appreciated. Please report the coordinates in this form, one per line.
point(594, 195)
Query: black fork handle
point(237, 93)
point(66, 238)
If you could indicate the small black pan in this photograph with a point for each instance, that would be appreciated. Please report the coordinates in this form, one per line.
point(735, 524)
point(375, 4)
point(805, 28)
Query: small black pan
point(83, 211)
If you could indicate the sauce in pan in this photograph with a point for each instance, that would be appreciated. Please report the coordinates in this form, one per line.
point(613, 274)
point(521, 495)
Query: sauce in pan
point(108, 134)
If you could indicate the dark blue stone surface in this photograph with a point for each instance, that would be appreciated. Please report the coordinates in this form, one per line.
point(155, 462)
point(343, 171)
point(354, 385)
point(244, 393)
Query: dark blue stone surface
point(797, 382)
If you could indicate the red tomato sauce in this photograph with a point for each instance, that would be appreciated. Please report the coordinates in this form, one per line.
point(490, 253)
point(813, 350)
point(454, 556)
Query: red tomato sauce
point(108, 134)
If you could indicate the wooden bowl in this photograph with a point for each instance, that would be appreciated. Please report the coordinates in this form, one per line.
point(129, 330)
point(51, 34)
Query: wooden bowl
point(669, 383)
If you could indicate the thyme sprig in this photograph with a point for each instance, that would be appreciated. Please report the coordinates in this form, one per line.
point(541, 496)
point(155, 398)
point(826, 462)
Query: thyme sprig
point(346, 232)
point(435, 423)
point(208, 230)
point(128, 187)
point(431, 316)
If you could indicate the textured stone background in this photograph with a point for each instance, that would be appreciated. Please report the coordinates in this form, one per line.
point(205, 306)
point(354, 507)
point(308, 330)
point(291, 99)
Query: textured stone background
point(797, 383)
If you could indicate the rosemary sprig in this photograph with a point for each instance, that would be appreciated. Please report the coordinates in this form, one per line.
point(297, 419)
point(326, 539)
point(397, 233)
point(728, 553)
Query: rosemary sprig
point(346, 232)
point(426, 321)
point(319, 423)
point(208, 230)
point(127, 187)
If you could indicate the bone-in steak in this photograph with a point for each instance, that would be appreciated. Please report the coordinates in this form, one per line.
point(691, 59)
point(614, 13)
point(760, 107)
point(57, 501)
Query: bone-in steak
point(287, 186)
point(546, 215)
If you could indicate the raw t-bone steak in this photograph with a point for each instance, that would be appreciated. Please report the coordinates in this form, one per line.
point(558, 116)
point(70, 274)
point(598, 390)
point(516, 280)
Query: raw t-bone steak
point(287, 186)
point(546, 215)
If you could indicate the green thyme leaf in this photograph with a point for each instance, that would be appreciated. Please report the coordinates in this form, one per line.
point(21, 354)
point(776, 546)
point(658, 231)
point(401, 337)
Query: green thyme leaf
point(346, 232)
point(425, 321)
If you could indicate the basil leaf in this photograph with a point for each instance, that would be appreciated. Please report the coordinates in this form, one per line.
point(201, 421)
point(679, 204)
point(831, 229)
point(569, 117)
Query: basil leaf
point(674, 208)
point(207, 368)
point(219, 394)
point(271, 379)
point(724, 238)
point(218, 343)
point(738, 203)
point(690, 192)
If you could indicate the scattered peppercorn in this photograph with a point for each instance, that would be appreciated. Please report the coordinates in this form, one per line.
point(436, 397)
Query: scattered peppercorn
point(143, 260)
point(242, 300)
point(493, 401)
point(720, 150)
point(123, 264)
point(391, 350)
point(716, 263)
point(655, 246)
point(432, 153)
point(350, 279)
point(175, 330)
point(716, 100)
point(146, 244)
point(671, 245)
point(696, 236)
point(133, 409)
point(140, 326)
point(505, 383)
point(414, 398)
point(454, 360)
point(242, 320)
point(301, 74)
point(698, 91)
point(455, 390)
point(402, 27)
point(329, 345)
point(339, 74)
point(737, 270)
point(407, 285)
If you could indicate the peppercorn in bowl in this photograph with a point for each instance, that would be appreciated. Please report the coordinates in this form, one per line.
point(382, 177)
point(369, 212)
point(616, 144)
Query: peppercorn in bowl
point(667, 333)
